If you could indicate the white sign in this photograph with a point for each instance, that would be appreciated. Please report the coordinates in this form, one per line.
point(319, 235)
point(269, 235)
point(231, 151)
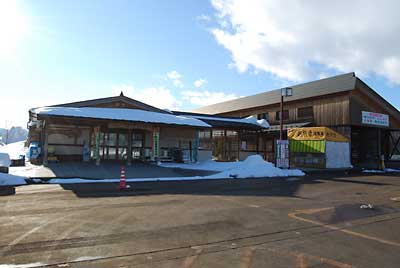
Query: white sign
point(243, 145)
point(370, 118)
point(282, 153)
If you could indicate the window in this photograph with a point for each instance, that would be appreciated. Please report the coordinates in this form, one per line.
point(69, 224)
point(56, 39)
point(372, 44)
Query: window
point(285, 115)
point(262, 116)
point(305, 112)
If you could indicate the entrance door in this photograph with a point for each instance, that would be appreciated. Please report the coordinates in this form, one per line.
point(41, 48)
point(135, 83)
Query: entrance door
point(137, 144)
point(114, 144)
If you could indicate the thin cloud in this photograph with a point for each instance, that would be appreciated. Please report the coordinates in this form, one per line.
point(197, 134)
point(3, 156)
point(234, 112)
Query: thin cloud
point(304, 39)
point(206, 97)
point(175, 78)
point(159, 97)
point(200, 82)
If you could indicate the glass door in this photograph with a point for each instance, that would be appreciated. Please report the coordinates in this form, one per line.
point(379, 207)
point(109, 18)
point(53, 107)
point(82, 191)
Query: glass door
point(137, 144)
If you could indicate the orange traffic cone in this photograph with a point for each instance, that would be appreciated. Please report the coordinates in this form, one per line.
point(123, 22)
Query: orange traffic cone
point(122, 182)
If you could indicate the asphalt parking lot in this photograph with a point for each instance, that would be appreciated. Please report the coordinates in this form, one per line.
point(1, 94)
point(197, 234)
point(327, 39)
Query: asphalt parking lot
point(314, 221)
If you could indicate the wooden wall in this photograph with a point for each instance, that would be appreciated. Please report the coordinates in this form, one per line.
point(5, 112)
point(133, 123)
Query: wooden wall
point(328, 110)
point(359, 102)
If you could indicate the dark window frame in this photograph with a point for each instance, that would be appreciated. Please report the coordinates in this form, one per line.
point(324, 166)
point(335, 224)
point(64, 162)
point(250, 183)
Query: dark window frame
point(305, 112)
point(263, 116)
point(285, 115)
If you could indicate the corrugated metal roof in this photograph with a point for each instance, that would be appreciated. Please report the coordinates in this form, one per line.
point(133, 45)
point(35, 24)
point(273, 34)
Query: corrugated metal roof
point(335, 84)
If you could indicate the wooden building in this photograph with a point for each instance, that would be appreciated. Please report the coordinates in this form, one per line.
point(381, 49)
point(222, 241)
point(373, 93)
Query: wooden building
point(343, 103)
point(123, 129)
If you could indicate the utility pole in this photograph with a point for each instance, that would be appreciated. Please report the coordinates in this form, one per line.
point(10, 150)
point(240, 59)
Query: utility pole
point(282, 146)
point(285, 92)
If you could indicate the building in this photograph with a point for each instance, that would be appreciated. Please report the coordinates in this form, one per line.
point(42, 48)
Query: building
point(123, 129)
point(343, 103)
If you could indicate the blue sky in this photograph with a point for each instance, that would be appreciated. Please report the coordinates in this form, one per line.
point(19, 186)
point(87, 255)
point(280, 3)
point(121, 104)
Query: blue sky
point(61, 51)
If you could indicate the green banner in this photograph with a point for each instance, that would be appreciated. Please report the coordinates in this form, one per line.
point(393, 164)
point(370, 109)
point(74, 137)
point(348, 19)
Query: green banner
point(299, 146)
point(156, 144)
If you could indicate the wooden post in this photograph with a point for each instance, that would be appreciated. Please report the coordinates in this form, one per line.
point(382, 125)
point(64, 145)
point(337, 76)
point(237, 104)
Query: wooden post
point(257, 144)
point(97, 145)
point(239, 145)
point(129, 150)
point(380, 166)
point(45, 142)
point(211, 142)
point(224, 149)
point(281, 120)
point(190, 151)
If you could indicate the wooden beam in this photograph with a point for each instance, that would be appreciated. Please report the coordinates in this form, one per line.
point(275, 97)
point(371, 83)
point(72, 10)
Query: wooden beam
point(45, 143)
point(129, 151)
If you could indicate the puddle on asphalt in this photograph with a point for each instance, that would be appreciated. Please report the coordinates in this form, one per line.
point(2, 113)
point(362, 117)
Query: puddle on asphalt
point(351, 212)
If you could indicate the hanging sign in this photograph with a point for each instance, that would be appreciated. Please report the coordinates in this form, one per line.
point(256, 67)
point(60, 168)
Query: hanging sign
point(370, 118)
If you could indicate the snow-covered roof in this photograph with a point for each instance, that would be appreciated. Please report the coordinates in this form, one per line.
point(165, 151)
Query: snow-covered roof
point(248, 120)
point(133, 115)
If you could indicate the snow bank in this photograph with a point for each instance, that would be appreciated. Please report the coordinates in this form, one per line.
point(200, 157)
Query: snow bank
point(27, 265)
point(380, 171)
point(7, 179)
point(4, 160)
point(133, 115)
point(253, 167)
point(15, 150)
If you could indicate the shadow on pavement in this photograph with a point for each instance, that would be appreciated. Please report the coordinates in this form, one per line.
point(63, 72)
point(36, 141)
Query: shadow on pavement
point(231, 187)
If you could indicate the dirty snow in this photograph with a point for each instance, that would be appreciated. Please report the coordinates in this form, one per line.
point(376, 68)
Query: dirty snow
point(27, 265)
point(253, 166)
point(380, 171)
point(15, 150)
point(133, 115)
point(8, 179)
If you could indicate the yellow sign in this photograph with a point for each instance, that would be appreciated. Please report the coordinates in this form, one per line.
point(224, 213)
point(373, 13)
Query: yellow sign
point(315, 134)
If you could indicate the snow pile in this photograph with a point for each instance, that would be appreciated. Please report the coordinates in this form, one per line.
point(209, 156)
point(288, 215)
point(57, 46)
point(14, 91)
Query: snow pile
point(248, 120)
point(4, 160)
point(253, 167)
point(27, 265)
point(133, 115)
point(7, 179)
point(380, 171)
point(262, 122)
point(14, 150)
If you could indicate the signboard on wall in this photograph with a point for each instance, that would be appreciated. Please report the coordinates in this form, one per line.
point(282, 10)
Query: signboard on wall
point(282, 153)
point(370, 118)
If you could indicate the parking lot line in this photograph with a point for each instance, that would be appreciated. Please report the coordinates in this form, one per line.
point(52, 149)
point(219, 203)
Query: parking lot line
point(295, 214)
point(247, 258)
